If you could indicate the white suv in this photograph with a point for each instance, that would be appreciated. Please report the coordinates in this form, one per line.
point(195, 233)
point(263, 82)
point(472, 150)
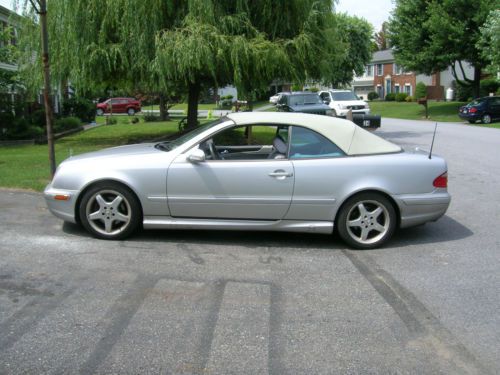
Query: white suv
point(341, 101)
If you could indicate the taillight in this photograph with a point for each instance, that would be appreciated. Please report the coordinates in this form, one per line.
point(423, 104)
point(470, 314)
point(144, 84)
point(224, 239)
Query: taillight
point(441, 181)
point(473, 110)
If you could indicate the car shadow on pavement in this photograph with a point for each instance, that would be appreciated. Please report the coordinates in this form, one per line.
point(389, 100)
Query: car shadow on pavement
point(444, 230)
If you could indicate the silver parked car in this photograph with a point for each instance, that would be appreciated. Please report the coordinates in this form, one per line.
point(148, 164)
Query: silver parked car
point(255, 171)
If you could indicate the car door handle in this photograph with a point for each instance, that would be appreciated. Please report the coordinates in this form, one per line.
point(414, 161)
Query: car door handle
point(281, 173)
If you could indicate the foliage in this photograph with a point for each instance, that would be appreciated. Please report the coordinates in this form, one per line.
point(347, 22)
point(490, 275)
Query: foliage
point(464, 93)
point(372, 95)
point(313, 89)
point(382, 37)
point(390, 97)
point(489, 86)
point(150, 117)
point(429, 36)
point(296, 87)
point(401, 97)
point(420, 90)
point(355, 50)
point(438, 111)
point(79, 107)
point(410, 99)
point(489, 41)
point(67, 123)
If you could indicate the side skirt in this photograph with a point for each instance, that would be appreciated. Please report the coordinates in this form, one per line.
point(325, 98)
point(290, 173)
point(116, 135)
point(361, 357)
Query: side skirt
point(168, 222)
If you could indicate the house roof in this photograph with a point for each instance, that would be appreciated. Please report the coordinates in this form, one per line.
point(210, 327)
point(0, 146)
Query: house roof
point(383, 56)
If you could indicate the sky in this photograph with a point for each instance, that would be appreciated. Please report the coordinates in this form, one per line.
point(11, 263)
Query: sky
point(374, 11)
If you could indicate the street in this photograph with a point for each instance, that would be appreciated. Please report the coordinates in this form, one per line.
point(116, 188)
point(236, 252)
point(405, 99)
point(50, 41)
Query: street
point(209, 302)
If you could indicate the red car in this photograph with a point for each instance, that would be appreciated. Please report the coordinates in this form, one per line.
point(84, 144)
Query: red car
point(119, 105)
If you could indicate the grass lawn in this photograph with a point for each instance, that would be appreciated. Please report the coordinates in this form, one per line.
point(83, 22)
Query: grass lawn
point(438, 111)
point(27, 167)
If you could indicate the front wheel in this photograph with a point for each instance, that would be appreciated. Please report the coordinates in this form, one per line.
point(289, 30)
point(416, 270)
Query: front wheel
point(131, 111)
point(100, 112)
point(486, 119)
point(110, 211)
point(366, 221)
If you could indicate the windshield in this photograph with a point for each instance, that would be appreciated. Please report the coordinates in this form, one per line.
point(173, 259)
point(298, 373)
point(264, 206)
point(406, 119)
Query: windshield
point(344, 95)
point(305, 99)
point(171, 145)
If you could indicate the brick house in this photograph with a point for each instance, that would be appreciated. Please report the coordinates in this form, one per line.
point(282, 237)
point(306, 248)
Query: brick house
point(384, 76)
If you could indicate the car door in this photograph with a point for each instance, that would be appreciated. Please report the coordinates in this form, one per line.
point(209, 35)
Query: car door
point(259, 189)
point(494, 105)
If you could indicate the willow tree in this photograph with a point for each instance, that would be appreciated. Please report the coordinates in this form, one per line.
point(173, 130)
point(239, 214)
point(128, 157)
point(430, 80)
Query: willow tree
point(164, 46)
point(247, 43)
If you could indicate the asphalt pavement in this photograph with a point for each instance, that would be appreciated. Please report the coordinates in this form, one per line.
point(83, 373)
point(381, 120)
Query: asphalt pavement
point(196, 302)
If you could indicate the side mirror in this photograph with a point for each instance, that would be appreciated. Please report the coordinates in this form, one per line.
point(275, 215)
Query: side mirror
point(197, 156)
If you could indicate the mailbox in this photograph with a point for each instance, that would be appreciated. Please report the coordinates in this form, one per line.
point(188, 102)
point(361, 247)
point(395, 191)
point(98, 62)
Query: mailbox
point(367, 121)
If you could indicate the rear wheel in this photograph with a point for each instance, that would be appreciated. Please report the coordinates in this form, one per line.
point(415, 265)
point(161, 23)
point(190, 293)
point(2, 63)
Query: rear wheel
point(486, 119)
point(110, 211)
point(100, 112)
point(366, 221)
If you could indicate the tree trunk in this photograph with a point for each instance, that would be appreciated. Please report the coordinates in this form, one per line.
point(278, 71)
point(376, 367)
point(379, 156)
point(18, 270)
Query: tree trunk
point(46, 91)
point(163, 108)
point(193, 97)
point(477, 81)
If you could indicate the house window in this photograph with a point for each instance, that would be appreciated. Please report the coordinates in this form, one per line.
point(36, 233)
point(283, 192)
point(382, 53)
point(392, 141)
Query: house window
point(396, 88)
point(397, 69)
point(380, 69)
point(369, 71)
point(408, 89)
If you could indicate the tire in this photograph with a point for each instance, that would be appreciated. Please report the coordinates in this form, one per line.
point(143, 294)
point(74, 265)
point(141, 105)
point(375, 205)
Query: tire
point(471, 121)
point(362, 212)
point(131, 111)
point(110, 211)
point(99, 112)
point(486, 119)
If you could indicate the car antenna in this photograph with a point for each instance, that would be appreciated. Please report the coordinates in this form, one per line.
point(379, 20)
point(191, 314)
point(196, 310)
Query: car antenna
point(432, 144)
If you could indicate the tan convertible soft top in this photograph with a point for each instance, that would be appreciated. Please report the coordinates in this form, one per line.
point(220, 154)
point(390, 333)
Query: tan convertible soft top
point(351, 138)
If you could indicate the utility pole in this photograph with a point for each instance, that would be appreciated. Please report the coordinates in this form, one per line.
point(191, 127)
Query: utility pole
point(40, 7)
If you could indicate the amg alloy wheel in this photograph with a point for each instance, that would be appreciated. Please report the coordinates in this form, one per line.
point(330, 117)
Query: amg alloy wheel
point(110, 211)
point(366, 221)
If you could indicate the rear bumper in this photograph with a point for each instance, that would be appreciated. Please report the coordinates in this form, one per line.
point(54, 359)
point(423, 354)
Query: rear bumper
point(418, 209)
point(63, 209)
point(470, 116)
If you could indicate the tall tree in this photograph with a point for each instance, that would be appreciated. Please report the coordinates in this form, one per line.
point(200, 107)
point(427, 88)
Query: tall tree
point(355, 50)
point(430, 35)
point(489, 41)
point(382, 37)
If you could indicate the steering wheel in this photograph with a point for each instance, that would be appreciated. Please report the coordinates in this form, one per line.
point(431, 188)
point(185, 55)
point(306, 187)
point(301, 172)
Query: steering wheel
point(213, 151)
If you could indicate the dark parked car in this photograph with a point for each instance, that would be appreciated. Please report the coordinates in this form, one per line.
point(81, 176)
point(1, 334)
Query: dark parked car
point(119, 105)
point(305, 102)
point(485, 109)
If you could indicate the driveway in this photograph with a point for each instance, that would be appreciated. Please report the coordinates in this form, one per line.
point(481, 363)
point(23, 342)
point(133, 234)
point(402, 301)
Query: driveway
point(194, 302)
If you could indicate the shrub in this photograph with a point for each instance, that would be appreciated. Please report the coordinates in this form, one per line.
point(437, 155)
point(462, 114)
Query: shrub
point(313, 89)
point(410, 98)
point(67, 123)
point(464, 93)
point(297, 87)
point(110, 120)
point(372, 95)
point(390, 97)
point(150, 117)
point(488, 86)
point(401, 97)
point(421, 90)
point(79, 107)
point(134, 120)
point(21, 130)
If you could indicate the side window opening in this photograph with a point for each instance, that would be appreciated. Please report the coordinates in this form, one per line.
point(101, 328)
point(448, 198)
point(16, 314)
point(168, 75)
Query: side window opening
point(306, 143)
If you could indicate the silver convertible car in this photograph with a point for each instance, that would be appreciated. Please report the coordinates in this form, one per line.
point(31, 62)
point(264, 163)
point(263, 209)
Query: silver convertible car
point(255, 171)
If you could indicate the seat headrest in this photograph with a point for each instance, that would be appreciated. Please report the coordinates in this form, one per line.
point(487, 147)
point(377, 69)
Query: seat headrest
point(279, 145)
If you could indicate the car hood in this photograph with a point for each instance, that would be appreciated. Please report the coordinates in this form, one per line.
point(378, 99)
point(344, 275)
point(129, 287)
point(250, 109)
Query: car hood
point(120, 151)
point(350, 102)
point(310, 107)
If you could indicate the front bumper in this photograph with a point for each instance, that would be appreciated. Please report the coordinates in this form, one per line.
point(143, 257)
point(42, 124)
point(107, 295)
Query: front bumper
point(418, 209)
point(61, 202)
point(343, 112)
